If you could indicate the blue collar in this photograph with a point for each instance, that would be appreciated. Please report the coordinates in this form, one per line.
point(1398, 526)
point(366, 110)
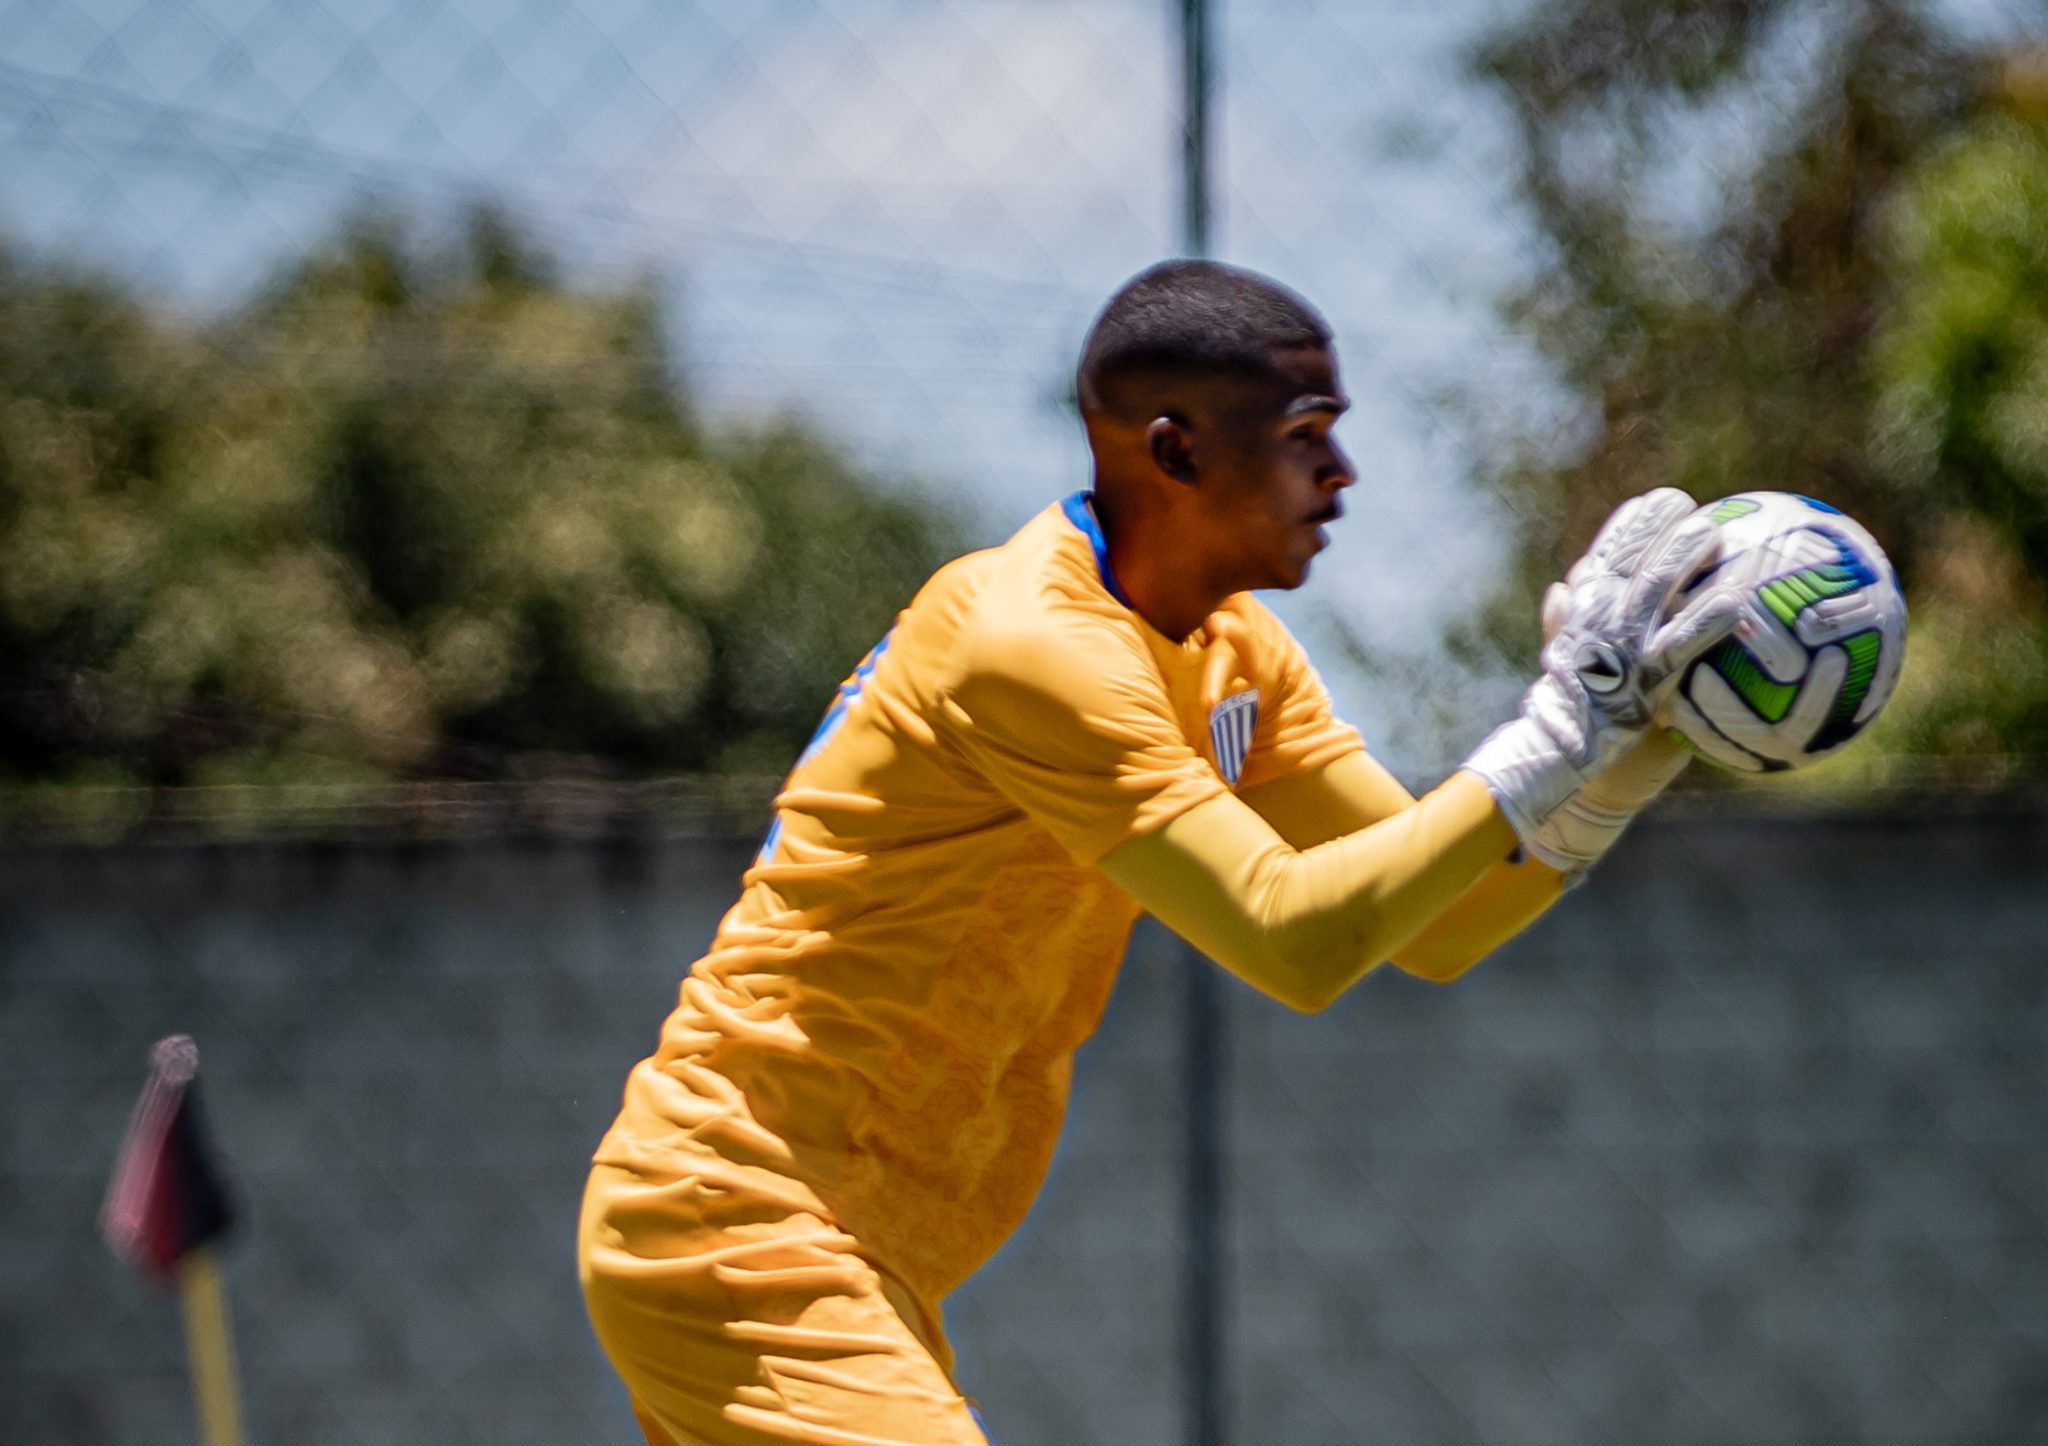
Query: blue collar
point(1083, 516)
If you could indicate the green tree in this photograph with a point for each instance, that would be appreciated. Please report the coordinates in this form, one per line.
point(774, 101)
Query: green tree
point(417, 513)
point(1824, 307)
point(1960, 365)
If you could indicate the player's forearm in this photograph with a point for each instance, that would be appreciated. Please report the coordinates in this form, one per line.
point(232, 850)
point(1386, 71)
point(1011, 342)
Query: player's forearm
point(1304, 925)
point(1354, 792)
point(1503, 903)
point(1344, 906)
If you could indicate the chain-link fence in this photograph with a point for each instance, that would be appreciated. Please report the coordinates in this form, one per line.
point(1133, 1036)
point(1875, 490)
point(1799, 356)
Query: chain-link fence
point(891, 219)
point(358, 265)
point(1742, 1145)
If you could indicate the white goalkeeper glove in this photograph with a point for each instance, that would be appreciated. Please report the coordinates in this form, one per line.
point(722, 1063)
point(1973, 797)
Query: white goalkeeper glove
point(1606, 667)
point(1586, 825)
point(1575, 838)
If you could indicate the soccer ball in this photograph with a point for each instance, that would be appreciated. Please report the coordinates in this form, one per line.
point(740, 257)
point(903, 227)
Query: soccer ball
point(1817, 646)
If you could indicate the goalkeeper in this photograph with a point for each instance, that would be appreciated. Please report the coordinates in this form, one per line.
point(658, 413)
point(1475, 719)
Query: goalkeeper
point(858, 1091)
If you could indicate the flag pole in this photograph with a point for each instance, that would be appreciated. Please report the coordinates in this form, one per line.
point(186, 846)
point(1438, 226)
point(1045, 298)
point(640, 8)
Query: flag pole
point(209, 1344)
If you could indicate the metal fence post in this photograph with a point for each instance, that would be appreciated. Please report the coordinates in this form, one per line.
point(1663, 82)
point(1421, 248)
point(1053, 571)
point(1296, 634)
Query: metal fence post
point(1203, 1264)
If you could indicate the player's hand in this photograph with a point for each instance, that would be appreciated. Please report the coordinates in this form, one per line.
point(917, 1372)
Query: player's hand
point(1608, 659)
point(1581, 832)
point(1602, 627)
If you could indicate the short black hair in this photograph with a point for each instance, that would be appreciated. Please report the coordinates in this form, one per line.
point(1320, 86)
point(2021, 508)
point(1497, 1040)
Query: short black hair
point(1187, 318)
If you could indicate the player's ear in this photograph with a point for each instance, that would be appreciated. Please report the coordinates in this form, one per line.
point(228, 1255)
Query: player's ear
point(1171, 449)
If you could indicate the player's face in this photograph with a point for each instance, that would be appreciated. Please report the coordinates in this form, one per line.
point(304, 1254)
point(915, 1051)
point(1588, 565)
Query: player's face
point(1281, 470)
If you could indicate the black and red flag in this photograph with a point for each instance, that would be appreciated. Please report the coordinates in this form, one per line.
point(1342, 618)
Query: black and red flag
point(167, 1196)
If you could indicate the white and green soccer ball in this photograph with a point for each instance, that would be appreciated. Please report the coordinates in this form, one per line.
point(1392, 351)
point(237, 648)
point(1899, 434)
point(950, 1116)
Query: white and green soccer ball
point(1818, 644)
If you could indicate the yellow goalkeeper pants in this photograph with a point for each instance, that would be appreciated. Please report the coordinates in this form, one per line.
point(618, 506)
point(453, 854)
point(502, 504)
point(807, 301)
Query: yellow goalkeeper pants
point(741, 1322)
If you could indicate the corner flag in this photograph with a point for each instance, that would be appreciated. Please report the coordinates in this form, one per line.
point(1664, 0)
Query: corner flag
point(166, 1197)
point(165, 1207)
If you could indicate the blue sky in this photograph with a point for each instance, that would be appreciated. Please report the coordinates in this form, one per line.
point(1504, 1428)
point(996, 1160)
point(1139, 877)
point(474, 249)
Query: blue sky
point(896, 216)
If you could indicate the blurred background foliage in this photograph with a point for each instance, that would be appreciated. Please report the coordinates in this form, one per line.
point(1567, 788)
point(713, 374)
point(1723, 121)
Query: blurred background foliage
point(1802, 247)
point(421, 512)
point(428, 508)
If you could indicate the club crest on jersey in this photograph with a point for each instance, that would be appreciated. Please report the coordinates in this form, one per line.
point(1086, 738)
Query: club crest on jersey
point(1230, 731)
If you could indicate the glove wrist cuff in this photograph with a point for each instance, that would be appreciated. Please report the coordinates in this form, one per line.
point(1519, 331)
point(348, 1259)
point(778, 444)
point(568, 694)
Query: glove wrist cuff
point(1577, 836)
point(1528, 774)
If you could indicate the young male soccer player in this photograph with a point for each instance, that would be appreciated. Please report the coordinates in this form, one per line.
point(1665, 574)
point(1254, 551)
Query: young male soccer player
point(859, 1088)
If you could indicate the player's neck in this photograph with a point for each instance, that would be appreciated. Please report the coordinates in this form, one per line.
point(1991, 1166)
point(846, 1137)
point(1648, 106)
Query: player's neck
point(1153, 569)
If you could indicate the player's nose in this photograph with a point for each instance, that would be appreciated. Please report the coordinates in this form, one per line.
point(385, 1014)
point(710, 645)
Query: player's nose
point(1339, 474)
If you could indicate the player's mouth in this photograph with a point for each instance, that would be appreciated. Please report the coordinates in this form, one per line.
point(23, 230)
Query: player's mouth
point(1320, 522)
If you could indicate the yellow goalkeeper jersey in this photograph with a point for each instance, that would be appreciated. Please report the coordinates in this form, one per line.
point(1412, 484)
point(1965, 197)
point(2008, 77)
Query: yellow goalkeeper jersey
point(882, 1030)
